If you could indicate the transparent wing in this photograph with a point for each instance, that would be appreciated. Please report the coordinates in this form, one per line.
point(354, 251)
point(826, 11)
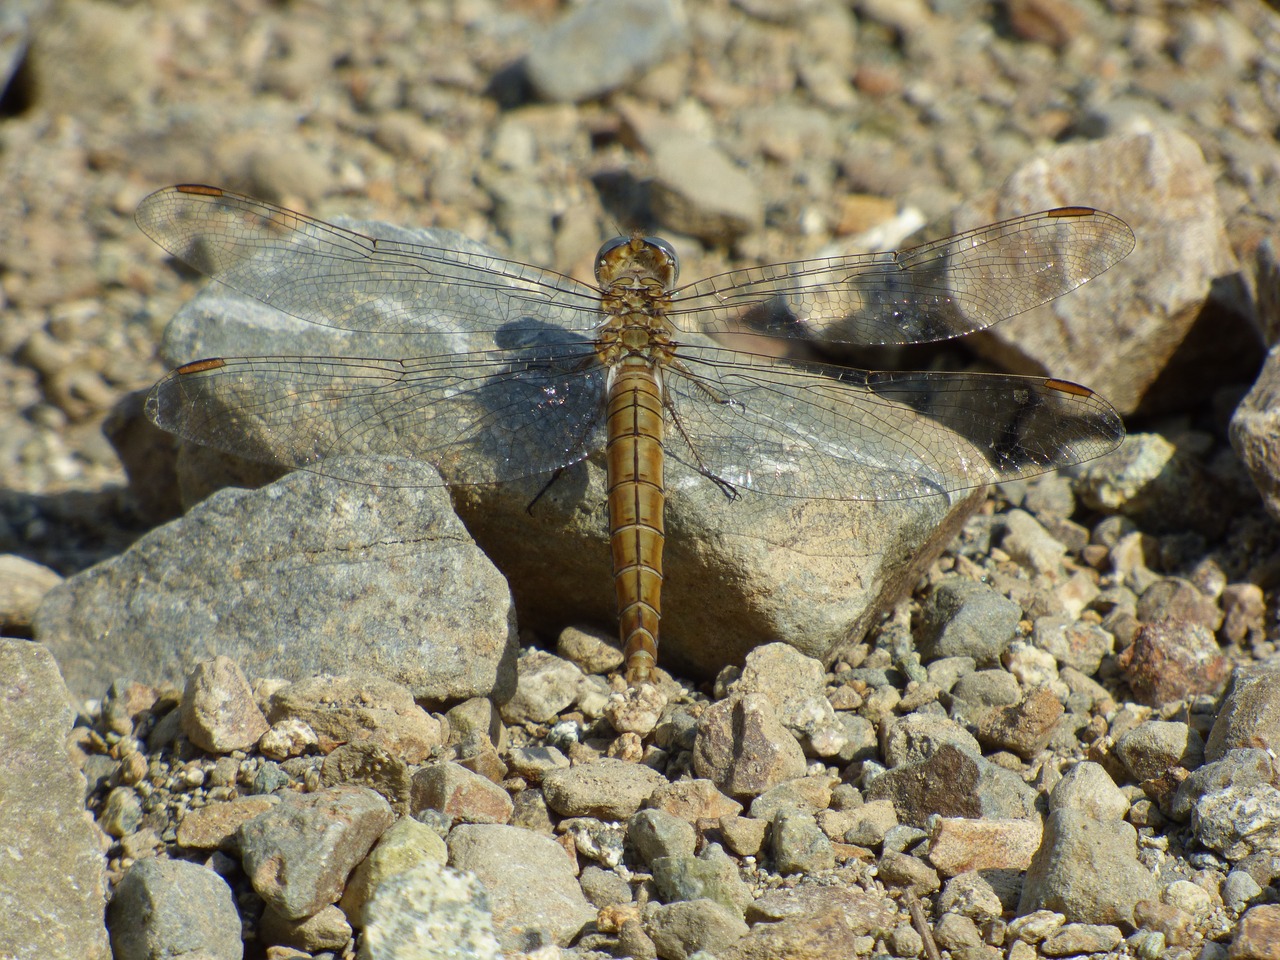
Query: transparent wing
point(821, 432)
point(479, 419)
point(501, 379)
point(935, 291)
point(340, 278)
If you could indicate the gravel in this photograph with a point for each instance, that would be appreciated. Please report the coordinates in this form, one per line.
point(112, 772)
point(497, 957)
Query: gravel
point(323, 719)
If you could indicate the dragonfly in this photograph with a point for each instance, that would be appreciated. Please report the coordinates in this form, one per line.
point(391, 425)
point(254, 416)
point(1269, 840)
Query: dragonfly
point(498, 370)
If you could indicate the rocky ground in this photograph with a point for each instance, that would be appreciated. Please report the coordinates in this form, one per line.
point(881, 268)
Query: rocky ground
point(316, 719)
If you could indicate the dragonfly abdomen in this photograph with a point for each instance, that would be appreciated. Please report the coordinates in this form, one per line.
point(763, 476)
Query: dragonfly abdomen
point(636, 499)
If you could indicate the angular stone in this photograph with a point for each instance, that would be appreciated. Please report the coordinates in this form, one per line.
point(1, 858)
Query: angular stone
point(1238, 768)
point(363, 763)
point(464, 796)
point(743, 748)
point(656, 833)
point(1239, 821)
point(598, 47)
point(214, 826)
point(1024, 728)
point(1088, 788)
point(794, 683)
point(342, 709)
point(918, 736)
point(298, 854)
point(1250, 714)
point(685, 927)
point(694, 800)
point(1087, 870)
point(545, 685)
point(712, 875)
point(428, 906)
point(799, 846)
point(1161, 181)
point(963, 617)
point(697, 190)
point(219, 713)
point(953, 783)
point(308, 576)
point(903, 870)
point(814, 923)
point(327, 929)
point(607, 789)
point(804, 794)
point(403, 846)
point(957, 845)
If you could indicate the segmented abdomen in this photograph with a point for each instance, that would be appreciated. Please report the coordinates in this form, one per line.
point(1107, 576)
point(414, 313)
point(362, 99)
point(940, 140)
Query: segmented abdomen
point(636, 498)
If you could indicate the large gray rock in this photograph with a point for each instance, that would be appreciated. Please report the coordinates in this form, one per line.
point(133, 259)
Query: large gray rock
point(307, 576)
point(738, 572)
point(53, 886)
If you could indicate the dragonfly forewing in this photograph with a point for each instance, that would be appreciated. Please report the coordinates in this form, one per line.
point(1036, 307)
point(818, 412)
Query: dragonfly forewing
point(375, 280)
point(931, 292)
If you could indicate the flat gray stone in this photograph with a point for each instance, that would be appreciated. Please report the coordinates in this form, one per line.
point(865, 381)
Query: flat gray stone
point(698, 190)
point(600, 46)
point(54, 885)
point(534, 895)
point(606, 788)
point(1088, 787)
point(798, 845)
point(307, 576)
point(681, 929)
point(656, 833)
point(952, 782)
point(1250, 713)
point(172, 908)
point(712, 875)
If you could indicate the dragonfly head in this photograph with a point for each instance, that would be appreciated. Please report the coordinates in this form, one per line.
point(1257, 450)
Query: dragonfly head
point(637, 260)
